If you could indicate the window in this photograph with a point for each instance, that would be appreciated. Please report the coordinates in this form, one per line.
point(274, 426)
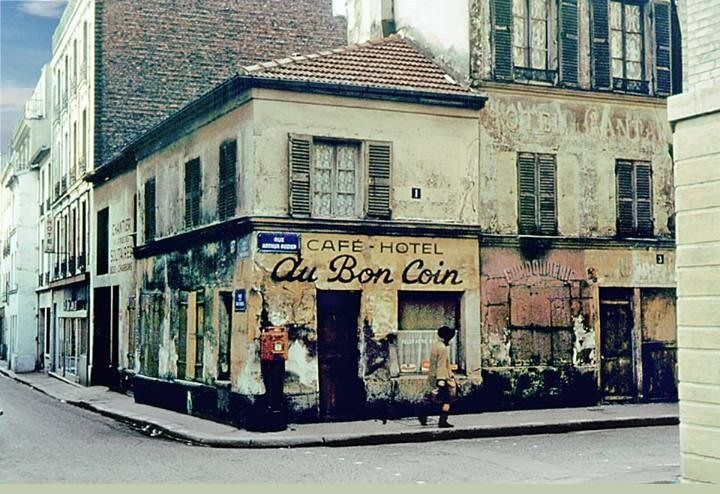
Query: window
point(634, 198)
point(227, 187)
point(626, 46)
point(420, 314)
point(102, 241)
point(326, 178)
point(537, 212)
point(193, 192)
point(225, 335)
point(195, 335)
point(150, 209)
point(530, 38)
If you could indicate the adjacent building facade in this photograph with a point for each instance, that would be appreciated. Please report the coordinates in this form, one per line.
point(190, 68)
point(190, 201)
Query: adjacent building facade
point(20, 341)
point(576, 190)
point(695, 116)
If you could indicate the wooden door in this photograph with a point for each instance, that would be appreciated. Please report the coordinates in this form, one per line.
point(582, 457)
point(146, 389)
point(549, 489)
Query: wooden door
point(617, 369)
point(341, 390)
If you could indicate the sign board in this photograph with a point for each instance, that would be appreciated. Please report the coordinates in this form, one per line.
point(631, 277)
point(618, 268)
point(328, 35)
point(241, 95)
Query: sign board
point(240, 300)
point(278, 242)
point(49, 235)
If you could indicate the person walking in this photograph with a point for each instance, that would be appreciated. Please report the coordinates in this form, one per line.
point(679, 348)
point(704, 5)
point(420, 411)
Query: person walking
point(441, 381)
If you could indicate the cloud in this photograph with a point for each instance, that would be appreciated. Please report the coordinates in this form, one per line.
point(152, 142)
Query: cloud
point(43, 8)
point(14, 97)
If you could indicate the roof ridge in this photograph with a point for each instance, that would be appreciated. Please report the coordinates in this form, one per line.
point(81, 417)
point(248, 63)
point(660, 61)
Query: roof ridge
point(298, 58)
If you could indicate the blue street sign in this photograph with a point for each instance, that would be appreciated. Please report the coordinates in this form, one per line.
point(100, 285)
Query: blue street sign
point(278, 242)
point(240, 300)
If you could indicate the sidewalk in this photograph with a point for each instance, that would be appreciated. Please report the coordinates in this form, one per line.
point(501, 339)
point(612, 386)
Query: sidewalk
point(159, 422)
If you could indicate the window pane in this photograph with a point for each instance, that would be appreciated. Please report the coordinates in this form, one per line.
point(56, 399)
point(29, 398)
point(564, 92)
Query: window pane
point(633, 47)
point(634, 70)
point(632, 18)
point(538, 9)
point(617, 68)
point(420, 314)
point(322, 202)
point(615, 15)
point(520, 42)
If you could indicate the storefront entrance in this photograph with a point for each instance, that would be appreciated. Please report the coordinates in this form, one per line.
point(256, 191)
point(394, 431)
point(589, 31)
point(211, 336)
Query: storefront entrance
point(341, 390)
point(616, 349)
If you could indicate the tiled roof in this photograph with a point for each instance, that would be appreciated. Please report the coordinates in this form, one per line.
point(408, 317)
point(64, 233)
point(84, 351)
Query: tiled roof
point(392, 62)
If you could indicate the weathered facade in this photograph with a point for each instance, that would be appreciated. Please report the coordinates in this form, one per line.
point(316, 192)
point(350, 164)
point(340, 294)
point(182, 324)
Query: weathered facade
point(373, 272)
point(576, 188)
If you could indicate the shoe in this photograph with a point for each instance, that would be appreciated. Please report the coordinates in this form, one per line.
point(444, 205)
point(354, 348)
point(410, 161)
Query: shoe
point(423, 419)
point(445, 425)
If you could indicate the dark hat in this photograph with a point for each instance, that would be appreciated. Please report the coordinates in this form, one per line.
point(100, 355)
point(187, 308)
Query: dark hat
point(445, 332)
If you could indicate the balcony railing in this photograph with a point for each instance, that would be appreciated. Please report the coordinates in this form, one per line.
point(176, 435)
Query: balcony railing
point(57, 190)
point(81, 263)
point(47, 277)
point(631, 85)
point(72, 176)
point(47, 205)
point(41, 278)
point(42, 208)
point(63, 184)
point(56, 272)
point(71, 266)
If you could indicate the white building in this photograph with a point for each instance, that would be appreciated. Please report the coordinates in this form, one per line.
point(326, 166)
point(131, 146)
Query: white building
point(28, 150)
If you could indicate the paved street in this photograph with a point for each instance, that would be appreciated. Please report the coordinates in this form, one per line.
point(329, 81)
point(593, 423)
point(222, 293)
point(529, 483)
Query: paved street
point(43, 440)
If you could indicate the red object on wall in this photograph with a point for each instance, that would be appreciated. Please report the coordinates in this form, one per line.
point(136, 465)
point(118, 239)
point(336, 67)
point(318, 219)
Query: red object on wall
point(274, 342)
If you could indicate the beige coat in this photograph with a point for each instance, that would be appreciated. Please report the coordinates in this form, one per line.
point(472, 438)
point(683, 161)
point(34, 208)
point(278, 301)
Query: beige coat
point(440, 367)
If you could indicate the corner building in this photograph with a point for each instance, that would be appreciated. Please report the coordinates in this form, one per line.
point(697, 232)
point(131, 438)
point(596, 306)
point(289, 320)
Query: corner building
point(335, 195)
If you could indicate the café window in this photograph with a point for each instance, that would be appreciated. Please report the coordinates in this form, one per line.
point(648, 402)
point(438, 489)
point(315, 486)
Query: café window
point(420, 314)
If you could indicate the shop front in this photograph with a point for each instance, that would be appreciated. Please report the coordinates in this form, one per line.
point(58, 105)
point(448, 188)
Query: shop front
point(577, 326)
point(363, 312)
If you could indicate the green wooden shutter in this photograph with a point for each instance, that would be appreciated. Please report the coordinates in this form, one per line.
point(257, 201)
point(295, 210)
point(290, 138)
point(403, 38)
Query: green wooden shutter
point(663, 70)
point(299, 159)
point(379, 156)
point(625, 198)
point(502, 29)
point(569, 42)
point(547, 186)
point(150, 209)
point(227, 189)
point(527, 194)
point(600, 45)
point(643, 199)
point(193, 192)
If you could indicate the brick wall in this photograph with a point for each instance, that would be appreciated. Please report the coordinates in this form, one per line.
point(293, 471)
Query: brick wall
point(155, 56)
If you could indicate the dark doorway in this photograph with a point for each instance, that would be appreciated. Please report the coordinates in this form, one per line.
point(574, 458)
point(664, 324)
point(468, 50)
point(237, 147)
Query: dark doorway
point(225, 336)
point(617, 369)
point(105, 338)
point(341, 390)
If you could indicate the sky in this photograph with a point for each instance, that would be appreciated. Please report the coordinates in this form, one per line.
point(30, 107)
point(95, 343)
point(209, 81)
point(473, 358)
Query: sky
point(26, 29)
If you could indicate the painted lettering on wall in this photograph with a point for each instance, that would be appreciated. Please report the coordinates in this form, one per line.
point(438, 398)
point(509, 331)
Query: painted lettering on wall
point(538, 268)
point(121, 253)
point(344, 268)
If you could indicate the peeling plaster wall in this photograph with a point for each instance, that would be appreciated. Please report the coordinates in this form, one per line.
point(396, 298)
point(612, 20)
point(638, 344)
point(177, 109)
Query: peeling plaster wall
point(587, 135)
point(434, 149)
point(118, 195)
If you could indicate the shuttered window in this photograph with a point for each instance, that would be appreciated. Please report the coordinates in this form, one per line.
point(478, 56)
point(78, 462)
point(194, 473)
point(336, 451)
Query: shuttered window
point(150, 208)
point(663, 68)
point(227, 180)
point(600, 44)
point(627, 50)
point(634, 198)
point(537, 212)
point(502, 38)
point(569, 42)
point(336, 179)
point(193, 192)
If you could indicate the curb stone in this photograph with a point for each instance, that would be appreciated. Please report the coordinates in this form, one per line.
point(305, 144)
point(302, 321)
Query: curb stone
point(154, 429)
